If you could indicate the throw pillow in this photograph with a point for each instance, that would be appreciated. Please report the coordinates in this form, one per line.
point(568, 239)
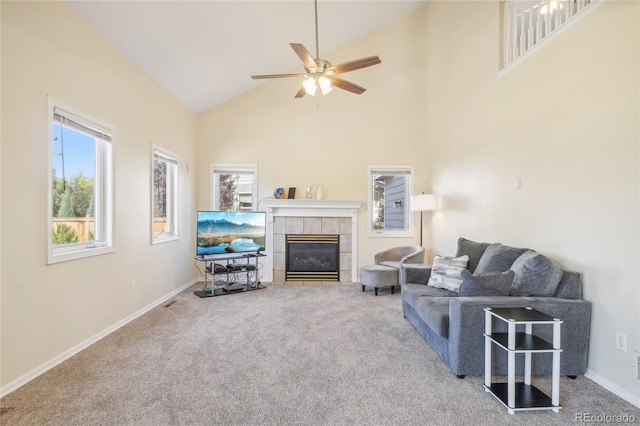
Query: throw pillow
point(445, 272)
point(473, 250)
point(489, 284)
point(535, 275)
point(498, 258)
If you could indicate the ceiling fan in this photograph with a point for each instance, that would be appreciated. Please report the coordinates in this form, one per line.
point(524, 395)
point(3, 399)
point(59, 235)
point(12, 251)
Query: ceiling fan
point(319, 73)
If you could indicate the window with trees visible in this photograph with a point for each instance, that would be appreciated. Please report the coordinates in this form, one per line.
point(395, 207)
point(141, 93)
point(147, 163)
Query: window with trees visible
point(80, 184)
point(164, 194)
point(389, 191)
point(234, 187)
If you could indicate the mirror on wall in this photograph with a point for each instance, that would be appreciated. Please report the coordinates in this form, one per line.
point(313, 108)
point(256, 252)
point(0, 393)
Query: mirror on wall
point(389, 190)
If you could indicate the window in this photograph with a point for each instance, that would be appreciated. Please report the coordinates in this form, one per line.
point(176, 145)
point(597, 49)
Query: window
point(389, 189)
point(528, 22)
point(80, 188)
point(234, 187)
point(164, 195)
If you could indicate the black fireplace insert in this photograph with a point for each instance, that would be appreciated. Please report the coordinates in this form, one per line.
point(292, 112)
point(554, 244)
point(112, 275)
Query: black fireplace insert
point(312, 257)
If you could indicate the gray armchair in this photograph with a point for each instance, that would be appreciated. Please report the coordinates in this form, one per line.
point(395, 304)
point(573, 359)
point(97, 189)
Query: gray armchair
point(397, 256)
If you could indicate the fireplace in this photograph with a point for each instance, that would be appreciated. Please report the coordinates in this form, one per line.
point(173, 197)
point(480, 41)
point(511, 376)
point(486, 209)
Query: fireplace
point(312, 257)
point(317, 217)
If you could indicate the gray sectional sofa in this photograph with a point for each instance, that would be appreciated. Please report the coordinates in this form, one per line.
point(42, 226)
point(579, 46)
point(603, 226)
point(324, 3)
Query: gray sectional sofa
point(445, 303)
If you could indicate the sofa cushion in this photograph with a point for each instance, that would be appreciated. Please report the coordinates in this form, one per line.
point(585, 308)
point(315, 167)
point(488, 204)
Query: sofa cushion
point(416, 274)
point(473, 250)
point(434, 311)
point(570, 286)
point(445, 272)
point(535, 275)
point(411, 293)
point(489, 284)
point(498, 258)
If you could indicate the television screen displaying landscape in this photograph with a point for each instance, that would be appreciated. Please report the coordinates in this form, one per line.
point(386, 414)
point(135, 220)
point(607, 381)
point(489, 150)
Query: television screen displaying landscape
point(230, 232)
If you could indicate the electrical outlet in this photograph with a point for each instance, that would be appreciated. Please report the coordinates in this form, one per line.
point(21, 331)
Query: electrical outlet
point(133, 286)
point(621, 341)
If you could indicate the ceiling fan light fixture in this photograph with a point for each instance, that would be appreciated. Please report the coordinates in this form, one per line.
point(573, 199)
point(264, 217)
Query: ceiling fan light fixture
point(320, 73)
point(310, 86)
point(312, 83)
point(325, 85)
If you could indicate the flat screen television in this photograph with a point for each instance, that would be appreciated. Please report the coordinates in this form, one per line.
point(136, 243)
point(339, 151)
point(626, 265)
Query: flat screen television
point(225, 233)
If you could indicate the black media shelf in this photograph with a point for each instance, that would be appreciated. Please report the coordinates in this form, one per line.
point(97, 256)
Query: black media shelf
point(238, 277)
point(221, 291)
point(528, 397)
point(524, 342)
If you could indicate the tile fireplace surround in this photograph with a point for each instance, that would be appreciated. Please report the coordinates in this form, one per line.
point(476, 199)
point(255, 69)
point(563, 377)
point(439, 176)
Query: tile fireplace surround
point(310, 217)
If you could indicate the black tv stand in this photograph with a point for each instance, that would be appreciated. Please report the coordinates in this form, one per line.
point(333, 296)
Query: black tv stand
point(241, 273)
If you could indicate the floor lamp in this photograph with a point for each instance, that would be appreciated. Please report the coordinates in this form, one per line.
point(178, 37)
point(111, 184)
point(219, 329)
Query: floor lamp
point(422, 203)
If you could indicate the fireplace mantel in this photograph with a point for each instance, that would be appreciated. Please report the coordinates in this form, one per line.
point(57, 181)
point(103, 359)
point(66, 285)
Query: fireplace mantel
point(304, 208)
point(313, 208)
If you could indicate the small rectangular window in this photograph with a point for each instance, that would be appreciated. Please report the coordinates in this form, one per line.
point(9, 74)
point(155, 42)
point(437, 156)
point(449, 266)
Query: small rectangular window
point(389, 190)
point(164, 194)
point(80, 184)
point(234, 187)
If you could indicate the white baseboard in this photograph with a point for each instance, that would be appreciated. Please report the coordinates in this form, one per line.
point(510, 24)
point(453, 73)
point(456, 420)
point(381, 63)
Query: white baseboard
point(22, 380)
point(612, 387)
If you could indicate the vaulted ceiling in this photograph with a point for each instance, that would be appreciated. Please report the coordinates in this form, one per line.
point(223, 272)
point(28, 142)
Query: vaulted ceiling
point(204, 52)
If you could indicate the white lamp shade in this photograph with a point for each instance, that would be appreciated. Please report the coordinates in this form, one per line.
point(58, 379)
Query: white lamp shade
point(423, 202)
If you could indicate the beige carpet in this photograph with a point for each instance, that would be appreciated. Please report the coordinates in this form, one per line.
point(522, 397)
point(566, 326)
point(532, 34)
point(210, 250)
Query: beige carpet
point(285, 355)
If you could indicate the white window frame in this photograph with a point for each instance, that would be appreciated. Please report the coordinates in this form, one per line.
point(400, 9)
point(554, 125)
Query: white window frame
point(218, 169)
point(172, 160)
point(405, 170)
point(103, 190)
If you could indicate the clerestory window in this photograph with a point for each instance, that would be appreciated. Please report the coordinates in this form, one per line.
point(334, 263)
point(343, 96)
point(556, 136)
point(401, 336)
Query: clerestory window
point(80, 184)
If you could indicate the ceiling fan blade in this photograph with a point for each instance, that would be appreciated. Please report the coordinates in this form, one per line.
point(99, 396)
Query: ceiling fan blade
point(301, 93)
point(346, 85)
point(304, 55)
point(255, 77)
point(356, 65)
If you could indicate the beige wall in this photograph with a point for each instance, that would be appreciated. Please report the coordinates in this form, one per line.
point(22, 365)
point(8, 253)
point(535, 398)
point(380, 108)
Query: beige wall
point(298, 142)
point(48, 310)
point(564, 121)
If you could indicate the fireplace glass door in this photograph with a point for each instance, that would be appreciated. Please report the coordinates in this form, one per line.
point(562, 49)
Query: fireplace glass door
point(312, 257)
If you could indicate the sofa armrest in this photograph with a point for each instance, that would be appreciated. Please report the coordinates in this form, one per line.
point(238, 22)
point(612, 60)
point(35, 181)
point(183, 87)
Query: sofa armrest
point(466, 328)
point(415, 274)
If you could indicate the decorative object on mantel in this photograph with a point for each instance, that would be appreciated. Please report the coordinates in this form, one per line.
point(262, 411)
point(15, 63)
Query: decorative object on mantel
point(308, 193)
point(319, 193)
point(292, 193)
point(278, 193)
